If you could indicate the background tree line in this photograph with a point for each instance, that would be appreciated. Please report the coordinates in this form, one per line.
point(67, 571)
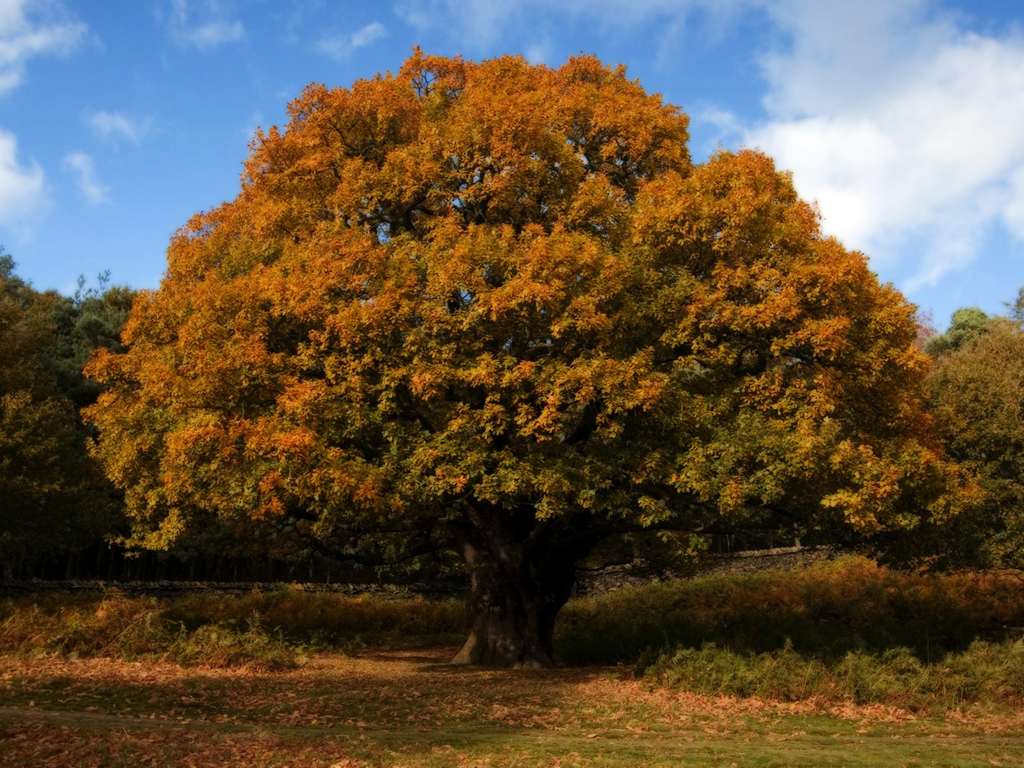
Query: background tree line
point(54, 498)
point(60, 517)
point(976, 398)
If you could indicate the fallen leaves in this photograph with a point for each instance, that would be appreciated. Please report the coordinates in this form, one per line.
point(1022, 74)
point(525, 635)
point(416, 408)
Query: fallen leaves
point(409, 708)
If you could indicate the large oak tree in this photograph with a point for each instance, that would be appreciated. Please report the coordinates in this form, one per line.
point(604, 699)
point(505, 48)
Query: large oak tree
point(495, 307)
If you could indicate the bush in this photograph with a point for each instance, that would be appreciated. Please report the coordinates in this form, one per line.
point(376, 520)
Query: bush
point(139, 628)
point(116, 626)
point(828, 609)
point(328, 618)
point(985, 673)
point(224, 645)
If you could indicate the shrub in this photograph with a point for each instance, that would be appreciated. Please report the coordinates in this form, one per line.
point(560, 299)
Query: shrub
point(224, 645)
point(139, 628)
point(329, 618)
point(985, 673)
point(828, 609)
point(116, 626)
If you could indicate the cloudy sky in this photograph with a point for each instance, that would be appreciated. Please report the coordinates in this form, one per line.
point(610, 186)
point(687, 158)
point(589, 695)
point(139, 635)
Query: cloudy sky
point(903, 119)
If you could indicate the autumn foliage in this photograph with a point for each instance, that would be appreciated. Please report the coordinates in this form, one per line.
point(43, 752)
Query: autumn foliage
point(977, 399)
point(495, 307)
point(53, 496)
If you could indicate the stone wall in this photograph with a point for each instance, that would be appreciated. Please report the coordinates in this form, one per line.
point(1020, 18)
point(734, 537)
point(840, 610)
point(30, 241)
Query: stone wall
point(595, 582)
point(172, 588)
point(599, 582)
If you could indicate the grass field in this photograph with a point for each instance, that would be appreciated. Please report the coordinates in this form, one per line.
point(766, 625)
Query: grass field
point(842, 664)
point(408, 708)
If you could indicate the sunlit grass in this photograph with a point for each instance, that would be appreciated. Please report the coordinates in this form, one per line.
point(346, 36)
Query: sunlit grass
point(411, 709)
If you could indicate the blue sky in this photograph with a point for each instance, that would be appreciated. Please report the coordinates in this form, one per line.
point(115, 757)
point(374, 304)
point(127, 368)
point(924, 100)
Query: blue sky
point(903, 119)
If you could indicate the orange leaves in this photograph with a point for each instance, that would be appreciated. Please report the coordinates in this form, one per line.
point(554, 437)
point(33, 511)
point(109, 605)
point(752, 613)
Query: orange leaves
point(303, 400)
point(297, 443)
point(508, 282)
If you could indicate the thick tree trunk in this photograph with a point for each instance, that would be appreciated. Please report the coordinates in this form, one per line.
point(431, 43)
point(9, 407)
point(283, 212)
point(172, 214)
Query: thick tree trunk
point(518, 586)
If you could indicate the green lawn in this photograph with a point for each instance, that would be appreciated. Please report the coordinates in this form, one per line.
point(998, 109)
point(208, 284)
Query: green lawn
point(409, 708)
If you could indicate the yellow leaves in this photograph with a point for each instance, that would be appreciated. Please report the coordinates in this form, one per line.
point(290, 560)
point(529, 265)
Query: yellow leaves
point(874, 485)
point(302, 399)
point(199, 441)
point(449, 480)
point(523, 372)
point(855, 510)
point(599, 208)
point(367, 493)
point(546, 423)
point(509, 281)
point(652, 511)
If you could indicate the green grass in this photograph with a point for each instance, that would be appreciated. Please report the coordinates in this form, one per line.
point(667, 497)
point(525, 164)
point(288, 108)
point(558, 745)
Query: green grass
point(844, 664)
point(409, 709)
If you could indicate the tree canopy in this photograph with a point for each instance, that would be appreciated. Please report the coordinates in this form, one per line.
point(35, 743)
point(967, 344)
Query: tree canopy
point(495, 307)
point(90, 319)
point(54, 495)
point(966, 325)
point(977, 398)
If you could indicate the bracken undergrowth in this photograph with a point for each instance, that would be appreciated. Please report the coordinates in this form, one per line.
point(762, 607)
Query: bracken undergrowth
point(986, 673)
point(139, 628)
point(826, 610)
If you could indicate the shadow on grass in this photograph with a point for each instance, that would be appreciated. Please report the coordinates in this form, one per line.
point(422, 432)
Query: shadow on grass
point(412, 709)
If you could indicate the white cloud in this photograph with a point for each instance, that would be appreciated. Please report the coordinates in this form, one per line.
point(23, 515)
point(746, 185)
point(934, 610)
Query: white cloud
point(341, 47)
point(1013, 214)
point(84, 169)
point(113, 126)
point(179, 11)
point(482, 23)
point(725, 121)
point(205, 24)
point(907, 131)
point(539, 52)
point(479, 22)
point(30, 28)
point(22, 190)
point(213, 34)
point(368, 34)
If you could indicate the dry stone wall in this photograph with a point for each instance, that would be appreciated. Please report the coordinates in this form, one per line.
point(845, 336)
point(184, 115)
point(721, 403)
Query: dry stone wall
point(589, 582)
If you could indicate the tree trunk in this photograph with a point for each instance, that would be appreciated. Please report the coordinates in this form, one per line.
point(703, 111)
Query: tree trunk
point(518, 585)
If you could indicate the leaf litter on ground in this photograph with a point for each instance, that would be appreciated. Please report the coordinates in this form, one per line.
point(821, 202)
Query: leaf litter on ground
point(411, 708)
